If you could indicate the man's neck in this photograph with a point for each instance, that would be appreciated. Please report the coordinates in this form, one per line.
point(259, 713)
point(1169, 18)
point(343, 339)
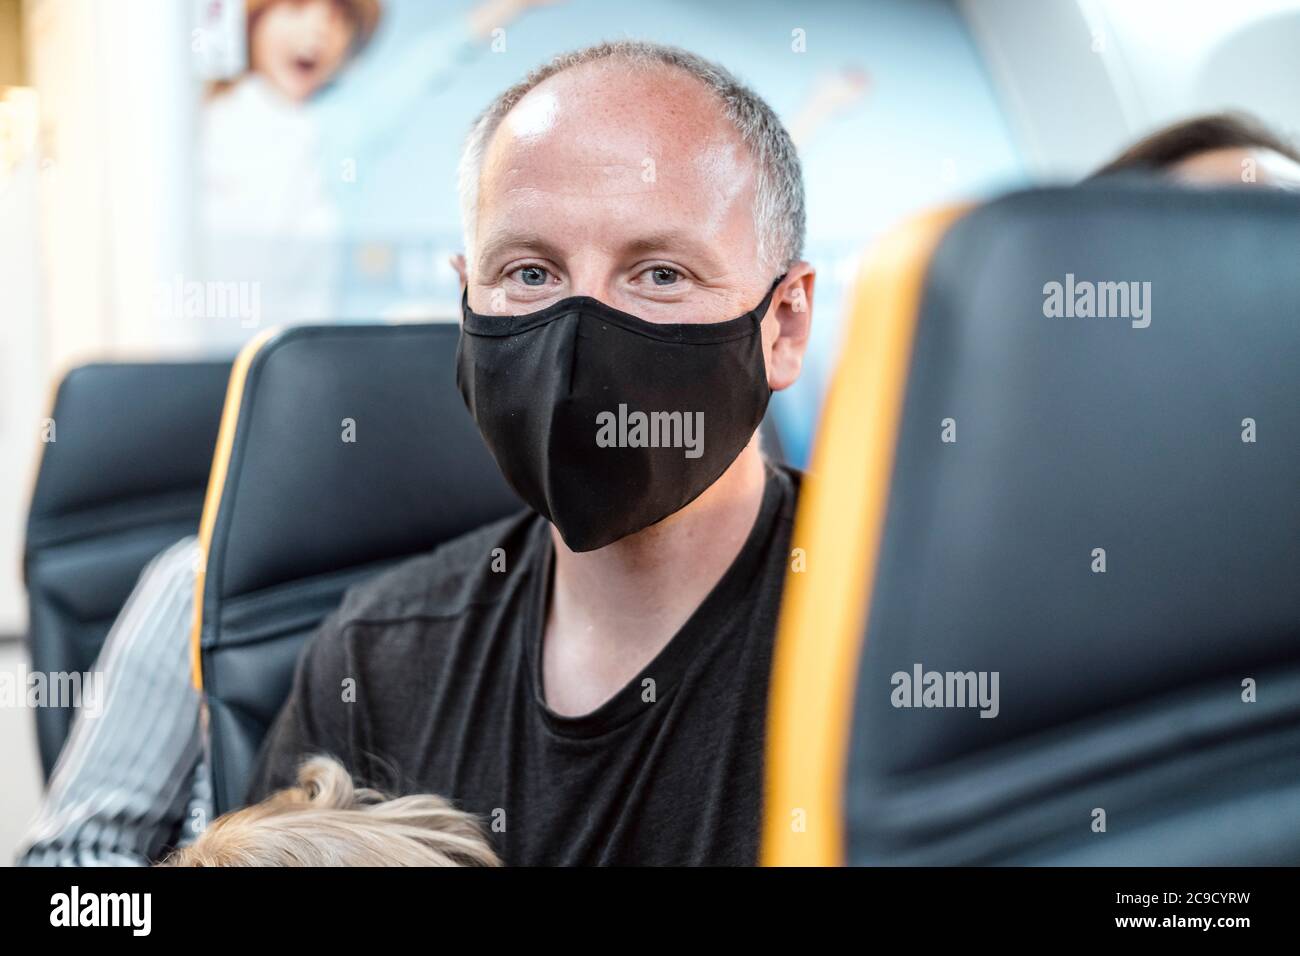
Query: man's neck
point(614, 609)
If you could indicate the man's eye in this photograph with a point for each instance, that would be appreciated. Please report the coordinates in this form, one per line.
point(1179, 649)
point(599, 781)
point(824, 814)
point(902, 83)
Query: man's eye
point(532, 275)
point(664, 276)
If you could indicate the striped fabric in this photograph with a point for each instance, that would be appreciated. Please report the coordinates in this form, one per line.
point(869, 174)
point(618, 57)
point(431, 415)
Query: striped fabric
point(130, 781)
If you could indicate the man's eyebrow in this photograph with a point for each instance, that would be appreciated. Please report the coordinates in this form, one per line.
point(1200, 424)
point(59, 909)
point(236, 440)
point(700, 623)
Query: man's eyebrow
point(666, 243)
point(671, 242)
point(532, 242)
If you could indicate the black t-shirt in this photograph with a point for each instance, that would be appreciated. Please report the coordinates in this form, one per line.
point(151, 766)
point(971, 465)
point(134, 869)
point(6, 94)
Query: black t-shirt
point(427, 679)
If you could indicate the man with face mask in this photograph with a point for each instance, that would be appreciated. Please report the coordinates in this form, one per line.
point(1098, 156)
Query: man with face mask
point(591, 677)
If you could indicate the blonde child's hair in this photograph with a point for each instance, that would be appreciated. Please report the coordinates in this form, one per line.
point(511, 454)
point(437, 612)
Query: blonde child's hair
point(326, 821)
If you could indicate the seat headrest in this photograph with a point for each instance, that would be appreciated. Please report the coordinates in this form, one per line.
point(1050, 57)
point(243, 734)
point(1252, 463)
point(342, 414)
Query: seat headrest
point(352, 446)
point(126, 435)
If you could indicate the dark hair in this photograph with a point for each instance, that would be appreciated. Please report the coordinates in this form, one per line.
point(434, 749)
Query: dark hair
point(1201, 134)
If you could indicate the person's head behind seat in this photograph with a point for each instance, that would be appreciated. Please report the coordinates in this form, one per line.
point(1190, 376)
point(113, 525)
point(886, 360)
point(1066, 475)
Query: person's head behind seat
point(644, 176)
point(1218, 149)
point(326, 821)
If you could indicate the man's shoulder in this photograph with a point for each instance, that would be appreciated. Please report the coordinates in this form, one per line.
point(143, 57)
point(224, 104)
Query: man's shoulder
point(445, 582)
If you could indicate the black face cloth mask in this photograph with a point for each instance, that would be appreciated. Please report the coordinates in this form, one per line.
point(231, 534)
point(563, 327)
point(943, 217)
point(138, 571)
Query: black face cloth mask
point(606, 423)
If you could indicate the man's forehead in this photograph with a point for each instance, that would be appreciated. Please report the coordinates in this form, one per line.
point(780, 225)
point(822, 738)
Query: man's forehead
point(596, 129)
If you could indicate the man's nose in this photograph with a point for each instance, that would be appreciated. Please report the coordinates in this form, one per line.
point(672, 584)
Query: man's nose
point(592, 279)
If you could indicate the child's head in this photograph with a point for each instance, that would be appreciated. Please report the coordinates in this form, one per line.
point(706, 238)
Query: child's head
point(299, 45)
point(325, 821)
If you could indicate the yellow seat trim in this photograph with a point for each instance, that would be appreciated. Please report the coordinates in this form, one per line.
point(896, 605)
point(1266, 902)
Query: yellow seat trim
point(838, 527)
point(217, 485)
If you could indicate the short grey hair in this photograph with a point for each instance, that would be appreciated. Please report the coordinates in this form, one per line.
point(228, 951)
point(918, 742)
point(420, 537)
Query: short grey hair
point(779, 215)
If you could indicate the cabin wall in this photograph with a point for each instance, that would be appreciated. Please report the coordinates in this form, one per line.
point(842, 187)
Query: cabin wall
point(1081, 79)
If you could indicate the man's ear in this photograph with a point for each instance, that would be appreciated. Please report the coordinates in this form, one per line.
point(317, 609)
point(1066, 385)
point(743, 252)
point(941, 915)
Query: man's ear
point(458, 263)
point(786, 328)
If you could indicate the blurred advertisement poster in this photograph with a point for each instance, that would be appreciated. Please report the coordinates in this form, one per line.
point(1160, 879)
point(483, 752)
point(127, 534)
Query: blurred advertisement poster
point(217, 40)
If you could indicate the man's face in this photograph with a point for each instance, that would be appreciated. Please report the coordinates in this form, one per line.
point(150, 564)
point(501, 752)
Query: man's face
point(631, 187)
point(628, 187)
point(298, 45)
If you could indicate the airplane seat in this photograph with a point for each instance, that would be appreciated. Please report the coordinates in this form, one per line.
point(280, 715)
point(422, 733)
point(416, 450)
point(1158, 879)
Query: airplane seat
point(1050, 610)
point(124, 463)
point(343, 450)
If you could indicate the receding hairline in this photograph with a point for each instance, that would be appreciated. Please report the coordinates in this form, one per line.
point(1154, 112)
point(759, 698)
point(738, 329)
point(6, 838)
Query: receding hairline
point(710, 109)
point(619, 65)
point(775, 170)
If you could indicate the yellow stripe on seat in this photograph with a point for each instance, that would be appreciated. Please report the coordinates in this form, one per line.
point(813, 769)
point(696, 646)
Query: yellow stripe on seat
point(217, 484)
point(838, 527)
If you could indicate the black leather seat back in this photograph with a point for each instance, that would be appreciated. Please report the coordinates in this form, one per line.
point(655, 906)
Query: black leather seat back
point(122, 479)
point(350, 449)
point(1099, 511)
point(1120, 690)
